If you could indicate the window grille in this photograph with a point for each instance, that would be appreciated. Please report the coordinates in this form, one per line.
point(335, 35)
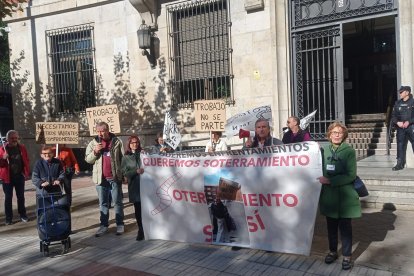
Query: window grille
point(5, 96)
point(200, 52)
point(71, 68)
point(6, 107)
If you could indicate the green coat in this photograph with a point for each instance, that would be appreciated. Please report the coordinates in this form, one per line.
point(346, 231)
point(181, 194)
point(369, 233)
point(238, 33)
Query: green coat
point(339, 199)
point(116, 152)
point(130, 163)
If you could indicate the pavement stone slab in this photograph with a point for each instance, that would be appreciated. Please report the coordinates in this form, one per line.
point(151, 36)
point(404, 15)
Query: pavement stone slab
point(383, 246)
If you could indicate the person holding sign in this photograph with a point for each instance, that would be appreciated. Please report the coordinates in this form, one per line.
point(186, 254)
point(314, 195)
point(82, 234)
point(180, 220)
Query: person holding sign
point(131, 167)
point(295, 134)
point(160, 146)
point(216, 143)
point(71, 167)
point(14, 169)
point(262, 137)
point(105, 153)
point(339, 201)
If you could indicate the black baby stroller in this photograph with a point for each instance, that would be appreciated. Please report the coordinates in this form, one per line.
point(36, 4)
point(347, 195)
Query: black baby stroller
point(53, 220)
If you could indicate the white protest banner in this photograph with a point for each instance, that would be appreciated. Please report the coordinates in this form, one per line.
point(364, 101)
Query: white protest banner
point(246, 120)
point(106, 113)
point(210, 115)
point(270, 197)
point(57, 133)
point(305, 121)
point(171, 134)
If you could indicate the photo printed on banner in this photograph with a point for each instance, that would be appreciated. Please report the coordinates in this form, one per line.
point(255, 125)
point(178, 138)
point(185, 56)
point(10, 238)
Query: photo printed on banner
point(226, 209)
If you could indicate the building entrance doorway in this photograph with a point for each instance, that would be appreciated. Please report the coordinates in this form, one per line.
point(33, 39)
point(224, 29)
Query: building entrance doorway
point(370, 69)
point(343, 59)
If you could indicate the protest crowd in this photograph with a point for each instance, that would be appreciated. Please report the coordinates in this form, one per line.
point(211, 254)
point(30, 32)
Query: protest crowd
point(115, 164)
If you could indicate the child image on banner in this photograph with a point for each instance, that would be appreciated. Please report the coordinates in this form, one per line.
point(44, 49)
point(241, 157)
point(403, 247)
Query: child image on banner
point(228, 219)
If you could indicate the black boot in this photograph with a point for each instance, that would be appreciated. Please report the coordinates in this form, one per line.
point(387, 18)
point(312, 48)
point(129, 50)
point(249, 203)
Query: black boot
point(140, 235)
point(400, 165)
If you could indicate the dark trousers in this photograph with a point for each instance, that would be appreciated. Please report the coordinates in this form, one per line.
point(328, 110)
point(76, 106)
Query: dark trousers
point(138, 216)
point(344, 225)
point(16, 181)
point(67, 186)
point(403, 136)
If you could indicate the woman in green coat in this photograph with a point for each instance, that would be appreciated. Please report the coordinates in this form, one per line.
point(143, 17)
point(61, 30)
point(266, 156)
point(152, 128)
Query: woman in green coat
point(131, 168)
point(339, 201)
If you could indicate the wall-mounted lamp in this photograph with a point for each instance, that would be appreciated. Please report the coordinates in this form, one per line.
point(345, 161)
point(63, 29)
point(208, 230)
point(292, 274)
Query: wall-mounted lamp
point(147, 40)
point(6, 29)
point(144, 38)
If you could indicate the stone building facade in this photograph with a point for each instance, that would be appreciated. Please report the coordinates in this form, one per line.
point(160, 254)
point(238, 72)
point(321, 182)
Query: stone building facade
point(258, 66)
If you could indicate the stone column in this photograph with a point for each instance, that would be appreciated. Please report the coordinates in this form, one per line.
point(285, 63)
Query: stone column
point(406, 42)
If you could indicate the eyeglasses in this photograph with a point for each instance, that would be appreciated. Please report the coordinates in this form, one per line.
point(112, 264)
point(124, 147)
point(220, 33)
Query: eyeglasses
point(336, 133)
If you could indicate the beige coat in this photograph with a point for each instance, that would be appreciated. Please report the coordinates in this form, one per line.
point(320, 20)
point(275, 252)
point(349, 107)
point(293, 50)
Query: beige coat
point(117, 153)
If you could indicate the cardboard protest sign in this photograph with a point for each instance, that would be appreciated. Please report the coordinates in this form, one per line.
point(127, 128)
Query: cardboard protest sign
point(266, 198)
point(57, 133)
point(106, 113)
point(210, 115)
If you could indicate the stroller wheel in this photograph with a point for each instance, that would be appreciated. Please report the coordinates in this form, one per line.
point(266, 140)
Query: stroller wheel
point(45, 250)
point(65, 246)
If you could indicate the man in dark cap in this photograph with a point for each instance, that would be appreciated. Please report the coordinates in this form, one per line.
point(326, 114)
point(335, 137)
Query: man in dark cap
point(403, 119)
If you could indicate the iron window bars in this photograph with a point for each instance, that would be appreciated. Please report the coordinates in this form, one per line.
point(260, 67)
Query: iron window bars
point(199, 52)
point(71, 68)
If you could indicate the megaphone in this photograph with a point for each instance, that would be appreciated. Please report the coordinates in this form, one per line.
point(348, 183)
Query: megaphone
point(245, 133)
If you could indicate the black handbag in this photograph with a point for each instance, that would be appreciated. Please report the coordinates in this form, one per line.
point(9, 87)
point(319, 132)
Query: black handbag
point(360, 187)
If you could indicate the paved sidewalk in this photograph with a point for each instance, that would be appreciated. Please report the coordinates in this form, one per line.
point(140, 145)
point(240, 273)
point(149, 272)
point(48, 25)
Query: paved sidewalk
point(383, 245)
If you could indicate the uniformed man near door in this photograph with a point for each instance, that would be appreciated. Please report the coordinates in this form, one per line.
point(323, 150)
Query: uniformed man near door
point(403, 119)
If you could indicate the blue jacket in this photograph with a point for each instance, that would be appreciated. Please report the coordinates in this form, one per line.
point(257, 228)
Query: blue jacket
point(47, 172)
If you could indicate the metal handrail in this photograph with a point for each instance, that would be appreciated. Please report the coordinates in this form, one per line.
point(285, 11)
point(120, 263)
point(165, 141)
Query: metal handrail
point(388, 124)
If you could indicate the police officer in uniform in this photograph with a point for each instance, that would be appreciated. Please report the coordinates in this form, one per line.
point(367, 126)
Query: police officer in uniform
point(403, 119)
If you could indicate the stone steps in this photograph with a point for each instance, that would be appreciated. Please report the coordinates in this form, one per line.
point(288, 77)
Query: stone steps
point(368, 135)
point(366, 117)
point(389, 192)
point(366, 129)
point(384, 185)
point(367, 140)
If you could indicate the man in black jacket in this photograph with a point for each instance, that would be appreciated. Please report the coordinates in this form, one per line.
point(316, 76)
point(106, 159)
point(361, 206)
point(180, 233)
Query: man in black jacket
point(403, 119)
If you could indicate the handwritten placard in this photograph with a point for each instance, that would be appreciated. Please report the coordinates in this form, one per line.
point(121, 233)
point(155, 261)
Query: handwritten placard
point(106, 113)
point(57, 133)
point(210, 115)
